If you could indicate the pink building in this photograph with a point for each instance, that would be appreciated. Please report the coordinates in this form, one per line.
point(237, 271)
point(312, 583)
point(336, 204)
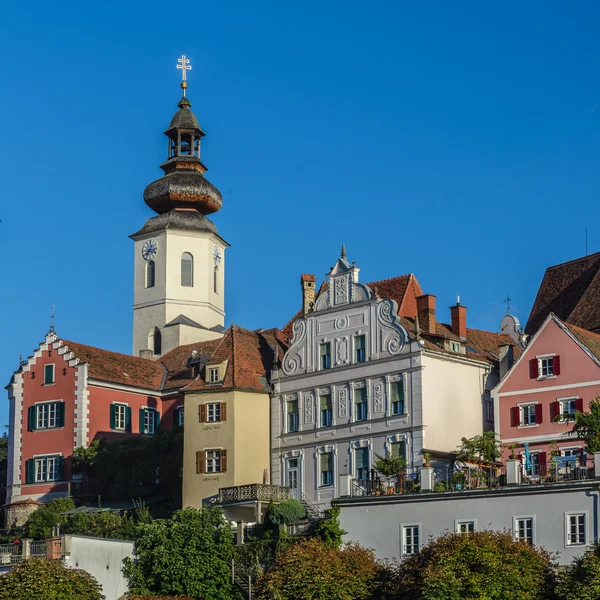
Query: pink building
point(535, 402)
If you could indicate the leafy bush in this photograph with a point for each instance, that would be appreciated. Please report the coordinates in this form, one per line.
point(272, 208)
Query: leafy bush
point(108, 524)
point(40, 523)
point(581, 579)
point(310, 570)
point(189, 554)
point(483, 564)
point(328, 529)
point(286, 512)
point(587, 426)
point(39, 579)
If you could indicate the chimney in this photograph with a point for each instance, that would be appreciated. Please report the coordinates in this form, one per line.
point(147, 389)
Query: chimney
point(426, 312)
point(146, 354)
point(458, 314)
point(308, 292)
point(506, 359)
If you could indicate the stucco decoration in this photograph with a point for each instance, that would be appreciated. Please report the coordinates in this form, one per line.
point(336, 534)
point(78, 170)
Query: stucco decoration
point(377, 398)
point(391, 334)
point(341, 351)
point(309, 401)
point(294, 360)
point(343, 402)
point(341, 290)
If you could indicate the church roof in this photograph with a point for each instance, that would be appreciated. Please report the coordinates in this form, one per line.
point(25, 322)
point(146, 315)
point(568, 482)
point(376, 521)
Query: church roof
point(571, 291)
point(179, 220)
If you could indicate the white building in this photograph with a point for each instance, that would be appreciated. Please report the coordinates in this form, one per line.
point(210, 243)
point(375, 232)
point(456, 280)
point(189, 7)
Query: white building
point(367, 375)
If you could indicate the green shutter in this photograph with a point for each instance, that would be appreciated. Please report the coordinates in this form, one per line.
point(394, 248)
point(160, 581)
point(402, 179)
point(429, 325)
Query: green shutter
point(128, 418)
point(61, 468)
point(32, 418)
point(142, 415)
point(30, 470)
point(60, 414)
point(113, 416)
point(156, 421)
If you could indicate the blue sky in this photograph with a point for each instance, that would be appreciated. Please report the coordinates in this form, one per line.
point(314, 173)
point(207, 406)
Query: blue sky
point(460, 142)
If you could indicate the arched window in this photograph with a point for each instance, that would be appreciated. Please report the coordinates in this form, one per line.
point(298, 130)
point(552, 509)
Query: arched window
point(157, 342)
point(216, 280)
point(150, 271)
point(187, 270)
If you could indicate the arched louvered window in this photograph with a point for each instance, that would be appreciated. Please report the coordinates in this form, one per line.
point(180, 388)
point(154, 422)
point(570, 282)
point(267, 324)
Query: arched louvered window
point(187, 270)
point(216, 280)
point(157, 342)
point(150, 272)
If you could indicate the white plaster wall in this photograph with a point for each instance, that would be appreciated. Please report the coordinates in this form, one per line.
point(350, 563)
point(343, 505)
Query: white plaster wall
point(101, 558)
point(377, 524)
point(452, 401)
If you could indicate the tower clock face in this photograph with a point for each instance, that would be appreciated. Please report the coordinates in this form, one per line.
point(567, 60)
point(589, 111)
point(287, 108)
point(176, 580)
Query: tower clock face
point(149, 249)
point(216, 255)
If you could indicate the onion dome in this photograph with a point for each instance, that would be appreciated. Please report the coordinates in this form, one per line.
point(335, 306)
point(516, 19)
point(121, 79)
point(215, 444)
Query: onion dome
point(183, 186)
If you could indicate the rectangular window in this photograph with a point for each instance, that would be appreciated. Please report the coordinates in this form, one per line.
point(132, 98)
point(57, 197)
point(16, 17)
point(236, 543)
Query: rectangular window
point(327, 468)
point(46, 468)
point(49, 415)
point(149, 420)
point(179, 416)
point(570, 452)
point(397, 397)
point(398, 450)
point(546, 366)
point(489, 411)
point(213, 461)
point(213, 375)
point(120, 414)
point(523, 529)
point(455, 346)
point(360, 348)
point(568, 408)
point(410, 539)
point(293, 419)
point(214, 412)
point(465, 526)
point(361, 457)
point(48, 374)
point(360, 404)
point(326, 410)
point(528, 414)
point(576, 529)
point(325, 356)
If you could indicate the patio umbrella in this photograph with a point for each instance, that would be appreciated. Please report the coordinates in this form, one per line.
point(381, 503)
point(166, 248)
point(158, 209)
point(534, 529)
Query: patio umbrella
point(527, 458)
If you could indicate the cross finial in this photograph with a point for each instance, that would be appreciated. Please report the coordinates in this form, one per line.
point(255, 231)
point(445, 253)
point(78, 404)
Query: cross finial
point(52, 320)
point(184, 65)
point(507, 302)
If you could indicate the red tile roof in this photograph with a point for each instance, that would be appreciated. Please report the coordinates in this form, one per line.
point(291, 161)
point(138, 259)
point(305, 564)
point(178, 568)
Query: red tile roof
point(589, 339)
point(571, 291)
point(114, 367)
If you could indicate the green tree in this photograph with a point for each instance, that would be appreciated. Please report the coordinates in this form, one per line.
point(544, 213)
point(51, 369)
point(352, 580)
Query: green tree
point(310, 570)
point(587, 426)
point(483, 447)
point(40, 579)
point(40, 523)
point(328, 529)
point(189, 554)
point(581, 579)
point(488, 565)
point(286, 512)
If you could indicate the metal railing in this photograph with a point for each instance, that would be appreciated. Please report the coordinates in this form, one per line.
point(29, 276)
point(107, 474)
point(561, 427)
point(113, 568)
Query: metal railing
point(407, 482)
point(559, 469)
point(10, 554)
point(242, 579)
point(38, 548)
point(254, 491)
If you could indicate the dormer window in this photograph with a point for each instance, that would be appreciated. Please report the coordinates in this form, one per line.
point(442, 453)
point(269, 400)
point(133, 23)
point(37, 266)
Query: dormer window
point(455, 346)
point(213, 375)
point(325, 356)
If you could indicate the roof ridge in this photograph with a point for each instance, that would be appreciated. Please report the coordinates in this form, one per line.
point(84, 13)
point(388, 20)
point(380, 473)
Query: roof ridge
point(67, 342)
point(574, 260)
point(390, 278)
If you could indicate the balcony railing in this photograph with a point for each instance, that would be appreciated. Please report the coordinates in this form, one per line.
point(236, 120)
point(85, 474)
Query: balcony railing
point(560, 469)
point(253, 492)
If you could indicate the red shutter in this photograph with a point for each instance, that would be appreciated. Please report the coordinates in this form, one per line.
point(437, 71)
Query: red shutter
point(533, 369)
point(579, 405)
point(538, 414)
point(556, 365)
point(515, 416)
point(542, 462)
point(554, 410)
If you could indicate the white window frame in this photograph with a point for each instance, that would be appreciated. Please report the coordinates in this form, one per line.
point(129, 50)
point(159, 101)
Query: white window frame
point(522, 406)
point(540, 358)
point(460, 522)
point(148, 421)
point(118, 407)
point(355, 348)
point(44, 462)
point(287, 417)
point(320, 472)
point(320, 415)
point(180, 415)
point(53, 374)
point(567, 399)
point(586, 520)
point(321, 344)
point(365, 402)
point(213, 463)
point(401, 384)
point(403, 544)
point(569, 449)
point(44, 409)
point(454, 346)
point(516, 520)
point(214, 375)
point(215, 409)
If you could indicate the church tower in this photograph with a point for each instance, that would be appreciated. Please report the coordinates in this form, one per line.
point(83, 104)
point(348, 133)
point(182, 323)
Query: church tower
point(179, 264)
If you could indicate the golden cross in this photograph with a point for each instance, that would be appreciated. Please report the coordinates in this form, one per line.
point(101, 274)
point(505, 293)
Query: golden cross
point(184, 65)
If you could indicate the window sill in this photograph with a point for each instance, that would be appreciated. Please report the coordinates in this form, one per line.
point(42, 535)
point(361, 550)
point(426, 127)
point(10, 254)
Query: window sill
point(544, 377)
point(528, 426)
point(328, 486)
point(40, 429)
point(48, 384)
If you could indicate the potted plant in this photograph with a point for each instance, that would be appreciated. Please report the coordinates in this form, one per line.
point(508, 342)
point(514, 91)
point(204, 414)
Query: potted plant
point(389, 466)
point(458, 480)
point(427, 459)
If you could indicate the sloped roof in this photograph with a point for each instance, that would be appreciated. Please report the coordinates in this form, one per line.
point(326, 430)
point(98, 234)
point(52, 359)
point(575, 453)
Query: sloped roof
point(571, 291)
point(114, 367)
point(589, 339)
